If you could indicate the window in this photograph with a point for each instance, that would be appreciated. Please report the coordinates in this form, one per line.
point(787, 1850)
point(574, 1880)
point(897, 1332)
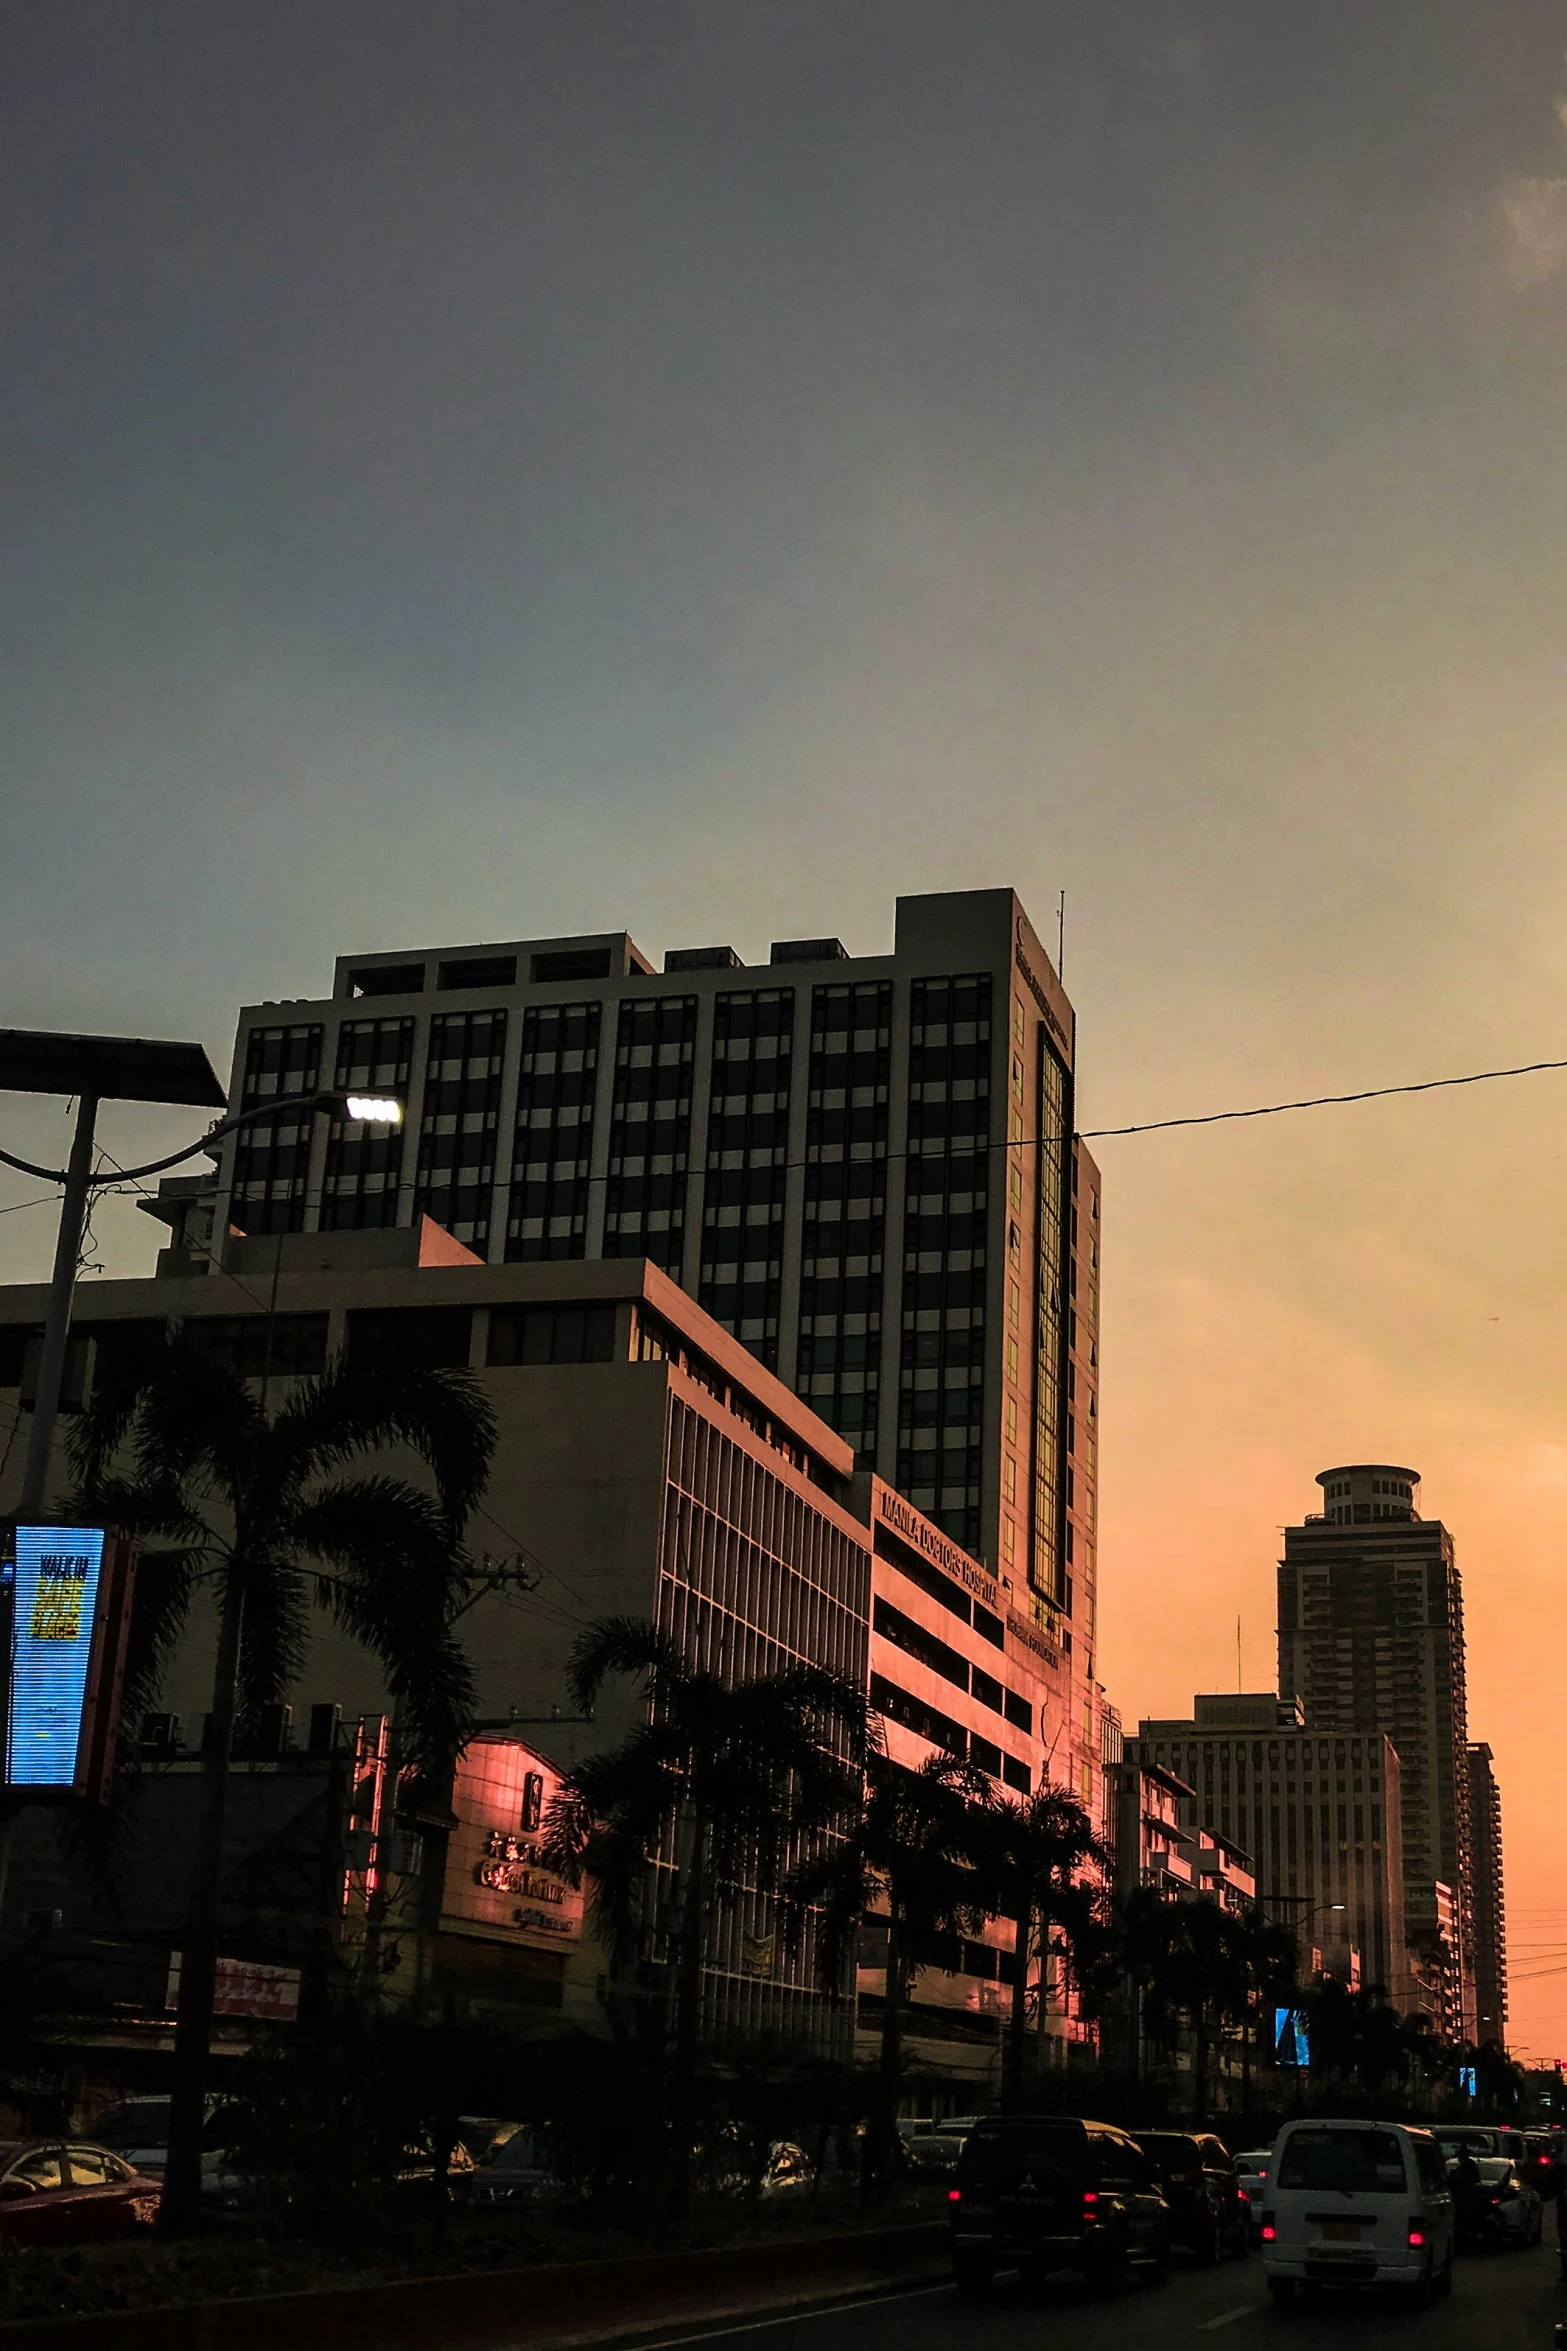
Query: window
point(44, 2169)
point(289, 1346)
point(650, 1130)
point(457, 1126)
point(91, 2167)
point(552, 1142)
point(1358, 2162)
point(432, 1338)
point(364, 1164)
point(747, 1165)
point(272, 1159)
point(843, 1233)
point(571, 963)
point(478, 971)
point(552, 1334)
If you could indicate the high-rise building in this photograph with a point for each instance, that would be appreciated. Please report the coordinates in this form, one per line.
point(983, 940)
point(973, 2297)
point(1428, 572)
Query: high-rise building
point(1371, 1639)
point(1490, 1913)
point(863, 1168)
point(1317, 1812)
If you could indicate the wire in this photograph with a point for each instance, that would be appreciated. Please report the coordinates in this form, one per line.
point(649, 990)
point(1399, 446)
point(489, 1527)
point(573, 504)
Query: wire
point(40, 1200)
point(1209, 1118)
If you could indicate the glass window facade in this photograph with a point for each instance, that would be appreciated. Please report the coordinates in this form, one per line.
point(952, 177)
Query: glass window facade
point(457, 1126)
point(272, 1161)
point(843, 1237)
point(754, 1580)
point(1053, 1146)
point(364, 1165)
point(552, 1147)
point(941, 1379)
point(747, 1151)
point(650, 1131)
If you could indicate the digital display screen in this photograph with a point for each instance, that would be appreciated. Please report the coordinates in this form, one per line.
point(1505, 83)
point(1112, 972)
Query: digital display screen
point(53, 1618)
point(1468, 2081)
point(1291, 2043)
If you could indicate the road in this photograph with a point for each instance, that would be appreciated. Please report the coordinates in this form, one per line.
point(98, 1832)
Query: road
point(1501, 2302)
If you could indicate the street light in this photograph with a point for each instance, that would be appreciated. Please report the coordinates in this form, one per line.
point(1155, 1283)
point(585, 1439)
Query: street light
point(121, 1069)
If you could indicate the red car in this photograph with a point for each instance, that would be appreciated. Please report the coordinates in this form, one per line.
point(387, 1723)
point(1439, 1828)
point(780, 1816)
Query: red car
point(65, 2192)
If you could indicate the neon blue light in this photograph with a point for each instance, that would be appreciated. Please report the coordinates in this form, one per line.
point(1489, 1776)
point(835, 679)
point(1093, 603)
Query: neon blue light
point(55, 1605)
point(1291, 2041)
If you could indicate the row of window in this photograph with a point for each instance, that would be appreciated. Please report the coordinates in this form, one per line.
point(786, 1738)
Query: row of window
point(929, 1723)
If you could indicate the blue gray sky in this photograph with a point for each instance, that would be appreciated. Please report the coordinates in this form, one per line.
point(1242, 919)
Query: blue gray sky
point(709, 465)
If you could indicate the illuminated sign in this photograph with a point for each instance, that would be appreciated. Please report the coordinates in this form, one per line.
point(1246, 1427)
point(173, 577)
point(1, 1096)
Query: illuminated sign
point(1468, 2081)
point(496, 1884)
point(1291, 2042)
point(70, 1613)
point(245, 1987)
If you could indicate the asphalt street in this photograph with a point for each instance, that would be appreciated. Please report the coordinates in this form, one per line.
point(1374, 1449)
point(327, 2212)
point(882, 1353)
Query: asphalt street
point(1500, 2302)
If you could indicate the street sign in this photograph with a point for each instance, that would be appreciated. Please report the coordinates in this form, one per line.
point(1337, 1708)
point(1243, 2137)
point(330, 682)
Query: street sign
point(70, 1615)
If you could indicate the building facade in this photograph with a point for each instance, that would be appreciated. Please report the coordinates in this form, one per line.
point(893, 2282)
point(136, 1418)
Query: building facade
point(649, 1465)
point(1371, 1640)
point(1318, 1814)
point(863, 1168)
point(1490, 1908)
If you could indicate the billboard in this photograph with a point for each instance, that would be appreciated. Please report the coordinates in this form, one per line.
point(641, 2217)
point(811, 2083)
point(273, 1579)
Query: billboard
point(1291, 2042)
point(495, 1879)
point(70, 1614)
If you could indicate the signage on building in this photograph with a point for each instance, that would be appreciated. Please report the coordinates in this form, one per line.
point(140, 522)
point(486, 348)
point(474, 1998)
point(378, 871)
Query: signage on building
point(495, 1881)
point(1291, 2043)
point(246, 1987)
point(915, 1529)
point(70, 1614)
point(1032, 983)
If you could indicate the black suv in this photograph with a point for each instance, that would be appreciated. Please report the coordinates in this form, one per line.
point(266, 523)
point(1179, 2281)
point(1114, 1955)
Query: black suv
point(1038, 2194)
point(1209, 2214)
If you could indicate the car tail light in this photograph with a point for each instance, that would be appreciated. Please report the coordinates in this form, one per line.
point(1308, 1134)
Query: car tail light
point(1269, 2230)
point(1090, 2198)
point(1417, 2234)
point(954, 2195)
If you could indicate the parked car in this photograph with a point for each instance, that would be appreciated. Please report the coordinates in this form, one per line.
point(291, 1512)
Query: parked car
point(515, 2173)
point(1495, 2207)
point(1252, 2169)
point(1039, 2194)
point(71, 2192)
point(1357, 2204)
point(137, 2129)
point(1209, 2213)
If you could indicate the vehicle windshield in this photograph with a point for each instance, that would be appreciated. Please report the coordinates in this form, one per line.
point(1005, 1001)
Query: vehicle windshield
point(1256, 2163)
point(1055, 2157)
point(1358, 2162)
point(144, 2122)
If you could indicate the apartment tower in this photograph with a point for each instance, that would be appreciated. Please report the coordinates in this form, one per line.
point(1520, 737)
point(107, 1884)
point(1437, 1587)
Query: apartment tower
point(863, 1168)
point(1490, 1913)
point(1371, 1639)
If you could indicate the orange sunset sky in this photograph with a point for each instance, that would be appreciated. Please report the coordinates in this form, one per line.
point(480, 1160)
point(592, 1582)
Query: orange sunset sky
point(480, 473)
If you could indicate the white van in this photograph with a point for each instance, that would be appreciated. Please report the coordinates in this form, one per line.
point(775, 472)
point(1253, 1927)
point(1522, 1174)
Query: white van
point(1357, 2204)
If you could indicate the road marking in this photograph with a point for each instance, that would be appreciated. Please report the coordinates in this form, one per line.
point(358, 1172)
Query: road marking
point(1227, 2318)
point(795, 2318)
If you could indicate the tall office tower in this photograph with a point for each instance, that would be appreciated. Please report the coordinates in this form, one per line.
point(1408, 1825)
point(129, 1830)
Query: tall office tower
point(1490, 1930)
point(1371, 1638)
point(864, 1168)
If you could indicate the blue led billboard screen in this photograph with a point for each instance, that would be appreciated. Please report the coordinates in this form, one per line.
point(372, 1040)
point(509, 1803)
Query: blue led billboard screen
point(54, 1617)
point(1291, 2043)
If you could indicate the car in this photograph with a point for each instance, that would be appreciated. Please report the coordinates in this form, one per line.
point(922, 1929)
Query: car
point(1042, 2193)
point(137, 2129)
point(1480, 2138)
point(934, 2153)
point(1252, 2170)
point(1542, 2162)
point(71, 2192)
point(1209, 2212)
point(1356, 2203)
point(516, 2173)
point(1496, 2206)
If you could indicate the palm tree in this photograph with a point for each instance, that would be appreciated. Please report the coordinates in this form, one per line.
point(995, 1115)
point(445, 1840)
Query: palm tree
point(1184, 1961)
point(916, 1853)
point(1036, 1852)
point(230, 1498)
point(1266, 1958)
point(728, 1773)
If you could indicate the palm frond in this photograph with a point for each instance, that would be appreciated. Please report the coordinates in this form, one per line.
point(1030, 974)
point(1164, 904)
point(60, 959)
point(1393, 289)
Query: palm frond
point(624, 1645)
point(443, 1416)
point(165, 1581)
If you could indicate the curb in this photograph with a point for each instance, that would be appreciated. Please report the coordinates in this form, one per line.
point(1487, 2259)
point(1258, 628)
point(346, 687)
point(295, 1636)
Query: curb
point(545, 2308)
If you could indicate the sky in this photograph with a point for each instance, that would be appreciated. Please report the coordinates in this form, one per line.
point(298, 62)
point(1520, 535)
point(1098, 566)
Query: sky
point(707, 466)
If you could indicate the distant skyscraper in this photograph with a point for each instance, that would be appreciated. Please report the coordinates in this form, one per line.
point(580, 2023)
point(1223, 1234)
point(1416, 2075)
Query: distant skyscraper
point(1490, 1914)
point(1371, 1638)
point(864, 1168)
